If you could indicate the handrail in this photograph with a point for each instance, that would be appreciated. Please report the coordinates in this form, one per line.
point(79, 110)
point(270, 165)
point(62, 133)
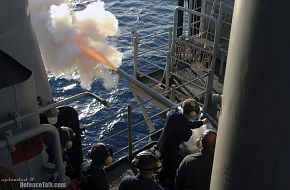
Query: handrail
point(158, 50)
point(150, 35)
point(140, 140)
point(124, 130)
point(151, 134)
point(209, 51)
point(157, 114)
point(149, 63)
point(105, 119)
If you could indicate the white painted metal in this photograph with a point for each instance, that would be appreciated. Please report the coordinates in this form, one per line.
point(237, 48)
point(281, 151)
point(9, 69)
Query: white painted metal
point(18, 39)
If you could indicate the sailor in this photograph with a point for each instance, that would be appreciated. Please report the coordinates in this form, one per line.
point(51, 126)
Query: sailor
point(66, 136)
point(177, 129)
point(194, 171)
point(147, 164)
point(95, 176)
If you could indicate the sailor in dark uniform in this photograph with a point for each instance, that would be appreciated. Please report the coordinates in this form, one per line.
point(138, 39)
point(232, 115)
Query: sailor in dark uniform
point(147, 164)
point(177, 129)
point(95, 175)
point(67, 137)
point(194, 172)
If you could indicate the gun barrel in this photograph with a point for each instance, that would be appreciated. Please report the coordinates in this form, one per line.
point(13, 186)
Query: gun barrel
point(147, 89)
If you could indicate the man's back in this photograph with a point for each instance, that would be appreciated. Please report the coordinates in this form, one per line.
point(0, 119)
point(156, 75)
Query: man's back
point(138, 183)
point(176, 130)
point(194, 172)
point(96, 179)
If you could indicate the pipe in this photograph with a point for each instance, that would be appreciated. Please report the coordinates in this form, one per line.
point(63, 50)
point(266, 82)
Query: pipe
point(252, 148)
point(170, 33)
point(52, 131)
point(180, 19)
point(148, 90)
point(167, 71)
point(135, 53)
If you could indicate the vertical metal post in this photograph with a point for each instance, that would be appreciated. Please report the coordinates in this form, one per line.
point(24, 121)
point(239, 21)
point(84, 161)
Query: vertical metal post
point(170, 38)
point(174, 32)
point(130, 148)
point(196, 19)
point(173, 89)
point(202, 20)
point(170, 48)
point(180, 18)
point(190, 17)
point(167, 72)
point(222, 55)
point(135, 53)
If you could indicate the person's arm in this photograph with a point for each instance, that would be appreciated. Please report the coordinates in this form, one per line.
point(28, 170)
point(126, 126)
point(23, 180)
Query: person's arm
point(187, 135)
point(197, 124)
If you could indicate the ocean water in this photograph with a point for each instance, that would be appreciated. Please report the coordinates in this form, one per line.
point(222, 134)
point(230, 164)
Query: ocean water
point(146, 17)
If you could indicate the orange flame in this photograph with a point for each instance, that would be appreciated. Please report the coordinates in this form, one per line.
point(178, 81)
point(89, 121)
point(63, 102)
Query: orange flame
point(91, 52)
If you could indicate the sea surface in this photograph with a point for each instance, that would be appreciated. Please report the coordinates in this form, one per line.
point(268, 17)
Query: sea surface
point(146, 17)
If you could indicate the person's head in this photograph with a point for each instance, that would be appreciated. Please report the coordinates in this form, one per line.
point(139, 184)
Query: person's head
point(66, 136)
point(147, 163)
point(100, 154)
point(207, 140)
point(190, 108)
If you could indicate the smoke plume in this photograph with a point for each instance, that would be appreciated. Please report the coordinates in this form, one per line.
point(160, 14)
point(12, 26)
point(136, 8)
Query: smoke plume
point(57, 26)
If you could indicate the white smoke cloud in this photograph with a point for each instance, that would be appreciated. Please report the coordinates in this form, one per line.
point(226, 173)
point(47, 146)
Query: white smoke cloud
point(56, 26)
